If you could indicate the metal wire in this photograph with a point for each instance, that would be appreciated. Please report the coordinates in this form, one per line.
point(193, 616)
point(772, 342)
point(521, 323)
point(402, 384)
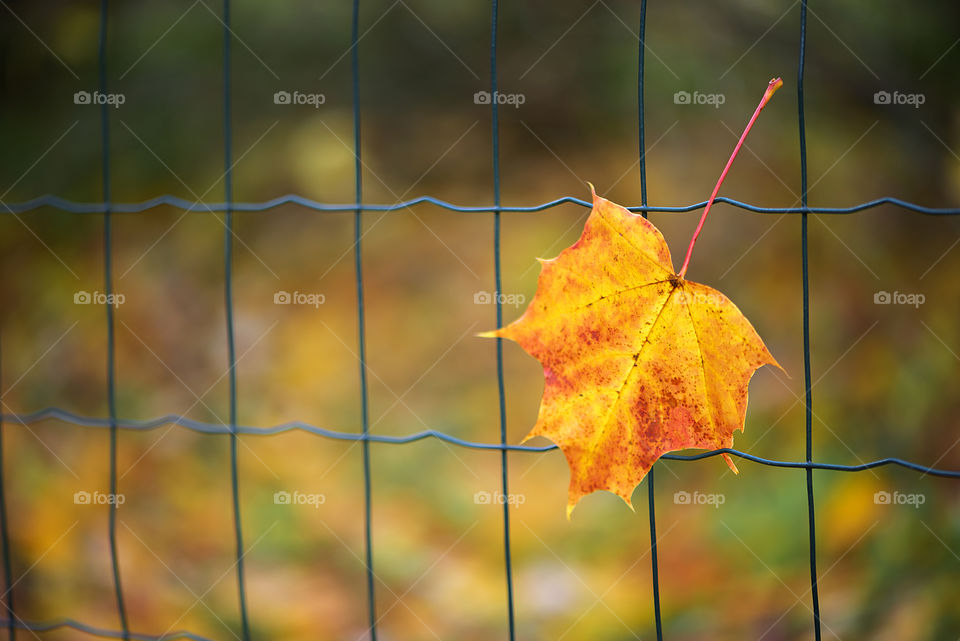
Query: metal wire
point(361, 322)
point(73, 207)
point(651, 503)
point(65, 416)
point(498, 287)
point(111, 341)
point(231, 342)
point(805, 269)
point(58, 624)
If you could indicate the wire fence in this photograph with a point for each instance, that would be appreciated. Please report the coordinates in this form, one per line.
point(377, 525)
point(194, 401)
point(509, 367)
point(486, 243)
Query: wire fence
point(11, 622)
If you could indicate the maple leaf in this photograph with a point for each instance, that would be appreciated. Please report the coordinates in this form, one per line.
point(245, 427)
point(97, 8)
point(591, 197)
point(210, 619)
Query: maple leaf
point(637, 361)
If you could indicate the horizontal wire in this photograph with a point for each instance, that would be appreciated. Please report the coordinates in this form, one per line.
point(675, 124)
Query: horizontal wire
point(48, 626)
point(74, 207)
point(56, 413)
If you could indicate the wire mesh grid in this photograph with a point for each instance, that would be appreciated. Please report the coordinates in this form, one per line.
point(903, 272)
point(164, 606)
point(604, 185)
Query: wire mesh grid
point(114, 424)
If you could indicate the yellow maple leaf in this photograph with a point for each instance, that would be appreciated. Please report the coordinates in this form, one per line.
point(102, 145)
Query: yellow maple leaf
point(637, 361)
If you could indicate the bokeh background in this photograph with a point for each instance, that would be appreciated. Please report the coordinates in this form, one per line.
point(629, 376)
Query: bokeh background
point(885, 375)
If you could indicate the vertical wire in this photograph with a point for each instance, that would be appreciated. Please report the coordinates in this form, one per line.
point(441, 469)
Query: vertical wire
point(640, 112)
point(5, 534)
point(228, 300)
point(111, 341)
point(361, 321)
point(811, 517)
point(654, 565)
point(495, 135)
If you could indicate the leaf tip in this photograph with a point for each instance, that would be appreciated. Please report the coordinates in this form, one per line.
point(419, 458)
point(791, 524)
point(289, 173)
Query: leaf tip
point(780, 367)
point(733, 467)
point(493, 333)
point(770, 360)
point(593, 193)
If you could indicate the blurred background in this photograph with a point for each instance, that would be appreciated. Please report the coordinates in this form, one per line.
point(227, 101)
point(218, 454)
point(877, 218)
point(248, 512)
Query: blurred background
point(733, 562)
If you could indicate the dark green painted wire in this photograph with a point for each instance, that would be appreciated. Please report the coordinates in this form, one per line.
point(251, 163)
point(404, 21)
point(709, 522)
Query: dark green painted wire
point(59, 624)
point(811, 516)
point(74, 207)
point(111, 340)
point(361, 322)
point(228, 300)
point(498, 282)
point(654, 563)
point(71, 418)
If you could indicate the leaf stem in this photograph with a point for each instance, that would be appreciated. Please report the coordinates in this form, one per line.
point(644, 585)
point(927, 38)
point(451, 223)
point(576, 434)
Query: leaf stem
point(775, 84)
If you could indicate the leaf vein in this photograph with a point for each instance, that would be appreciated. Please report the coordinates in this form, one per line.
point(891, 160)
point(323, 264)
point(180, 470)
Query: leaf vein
point(636, 359)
